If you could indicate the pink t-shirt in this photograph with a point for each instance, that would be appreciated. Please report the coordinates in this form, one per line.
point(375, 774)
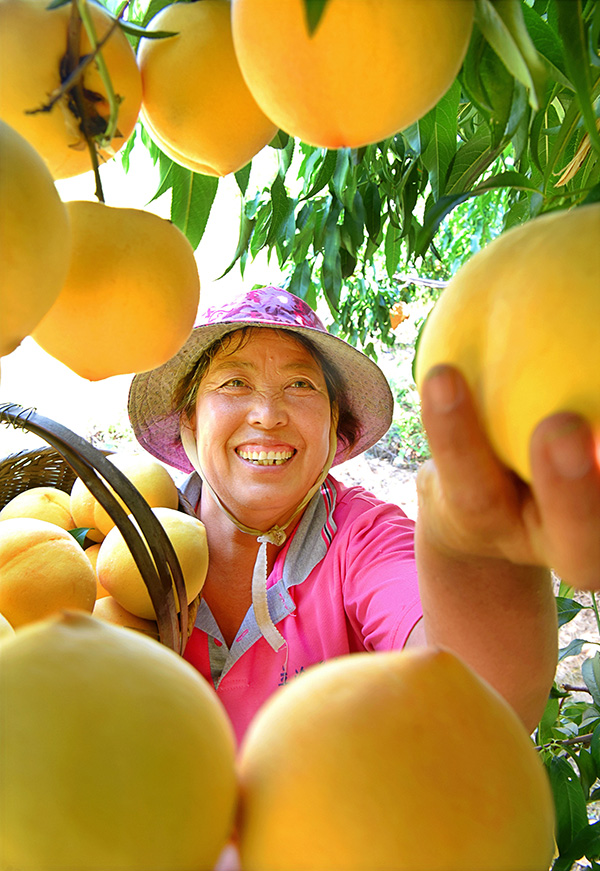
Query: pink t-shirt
point(346, 581)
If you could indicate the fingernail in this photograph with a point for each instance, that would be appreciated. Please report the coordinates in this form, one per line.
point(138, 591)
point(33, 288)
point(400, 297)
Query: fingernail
point(443, 389)
point(569, 448)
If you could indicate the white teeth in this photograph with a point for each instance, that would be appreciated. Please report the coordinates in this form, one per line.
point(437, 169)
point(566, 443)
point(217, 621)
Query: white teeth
point(266, 458)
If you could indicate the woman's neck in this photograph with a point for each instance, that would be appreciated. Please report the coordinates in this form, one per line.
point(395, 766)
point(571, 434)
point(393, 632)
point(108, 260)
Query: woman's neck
point(231, 558)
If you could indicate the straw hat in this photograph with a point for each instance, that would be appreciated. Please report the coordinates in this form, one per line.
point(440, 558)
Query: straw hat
point(156, 425)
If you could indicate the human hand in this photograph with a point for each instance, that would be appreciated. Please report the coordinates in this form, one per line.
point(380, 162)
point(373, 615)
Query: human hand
point(471, 505)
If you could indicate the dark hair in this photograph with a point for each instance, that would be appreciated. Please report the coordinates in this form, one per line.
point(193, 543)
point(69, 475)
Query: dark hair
point(185, 393)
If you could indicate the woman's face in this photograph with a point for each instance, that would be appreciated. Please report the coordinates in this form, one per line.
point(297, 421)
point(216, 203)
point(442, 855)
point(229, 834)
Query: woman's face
point(262, 424)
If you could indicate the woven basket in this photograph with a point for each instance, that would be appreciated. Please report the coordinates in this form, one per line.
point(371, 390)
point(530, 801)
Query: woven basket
point(67, 457)
point(36, 467)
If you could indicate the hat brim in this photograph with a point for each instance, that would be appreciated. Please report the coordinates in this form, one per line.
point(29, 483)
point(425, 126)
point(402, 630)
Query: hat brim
point(156, 426)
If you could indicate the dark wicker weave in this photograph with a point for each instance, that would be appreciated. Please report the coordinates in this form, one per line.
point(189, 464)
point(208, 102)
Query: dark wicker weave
point(37, 467)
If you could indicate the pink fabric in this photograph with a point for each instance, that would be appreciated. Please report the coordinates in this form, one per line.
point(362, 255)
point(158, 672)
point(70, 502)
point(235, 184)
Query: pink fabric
point(363, 595)
point(269, 305)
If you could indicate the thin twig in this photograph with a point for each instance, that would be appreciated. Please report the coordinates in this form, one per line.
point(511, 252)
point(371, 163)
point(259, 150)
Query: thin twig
point(72, 61)
point(567, 742)
point(97, 135)
point(113, 100)
point(75, 75)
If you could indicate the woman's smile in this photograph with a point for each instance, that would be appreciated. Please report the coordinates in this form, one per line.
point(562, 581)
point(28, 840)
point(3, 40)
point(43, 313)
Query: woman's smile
point(261, 457)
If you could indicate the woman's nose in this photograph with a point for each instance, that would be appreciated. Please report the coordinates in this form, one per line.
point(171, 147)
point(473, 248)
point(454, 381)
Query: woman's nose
point(268, 410)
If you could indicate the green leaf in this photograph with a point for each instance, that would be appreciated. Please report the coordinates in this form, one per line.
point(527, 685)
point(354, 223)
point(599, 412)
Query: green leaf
point(438, 211)
point(565, 590)
point(331, 280)
point(442, 138)
point(392, 248)
point(342, 166)
point(587, 769)
point(246, 229)
point(590, 671)
point(470, 72)
point(280, 140)
point(586, 843)
point(545, 730)
point(470, 161)
point(489, 85)
point(281, 206)
point(557, 147)
point(372, 203)
point(573, 648)
point(141, 32)
point(192, 198)
point(503, 25)
point(242, 177)
point(572, 34)
point(324, 174)
point(347, 263)
point(325, 214)
point(331, 268)
point(261, 229)
point(125, 152)
point(149, 10)
point(567, 609)
point(285, 154)
point(305, 229)
point(545, 39)
point(300, 283)
point(79, 533)
point(313, 9)
point(285, 242)
point(569, 801)
point(353, 225)
point(594, 36)
point(593, 196)
point(595, 747)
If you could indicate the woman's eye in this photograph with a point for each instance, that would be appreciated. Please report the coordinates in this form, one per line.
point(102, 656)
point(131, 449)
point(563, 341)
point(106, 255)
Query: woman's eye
point(234, 382)
point(300, 383)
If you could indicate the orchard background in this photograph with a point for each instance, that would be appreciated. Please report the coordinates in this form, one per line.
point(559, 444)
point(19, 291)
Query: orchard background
point(357, 231)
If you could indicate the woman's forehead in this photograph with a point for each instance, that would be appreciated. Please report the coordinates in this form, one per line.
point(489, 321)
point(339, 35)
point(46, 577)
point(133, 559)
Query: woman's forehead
point(252, 339)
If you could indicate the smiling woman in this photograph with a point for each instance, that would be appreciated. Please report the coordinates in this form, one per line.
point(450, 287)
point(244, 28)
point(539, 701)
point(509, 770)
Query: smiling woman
point(258, 407)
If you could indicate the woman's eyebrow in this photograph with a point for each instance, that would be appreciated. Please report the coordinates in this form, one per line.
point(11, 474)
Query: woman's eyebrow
point(229, 363)
point(232, 362)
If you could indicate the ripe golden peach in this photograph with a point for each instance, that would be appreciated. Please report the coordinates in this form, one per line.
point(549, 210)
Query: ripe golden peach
point(130, 297)
point(195, 100)
point(119, 574)
point(42, 571)
point(42, 503)
point(117, 737)
point(35, 238)
point(149, 476)
point(351, 748)
point(107, 608)
point(520, 320)
point(83, 503)
point(369, 70)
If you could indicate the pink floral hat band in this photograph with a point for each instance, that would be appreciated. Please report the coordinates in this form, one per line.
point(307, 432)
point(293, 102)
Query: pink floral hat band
point(156, 425)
